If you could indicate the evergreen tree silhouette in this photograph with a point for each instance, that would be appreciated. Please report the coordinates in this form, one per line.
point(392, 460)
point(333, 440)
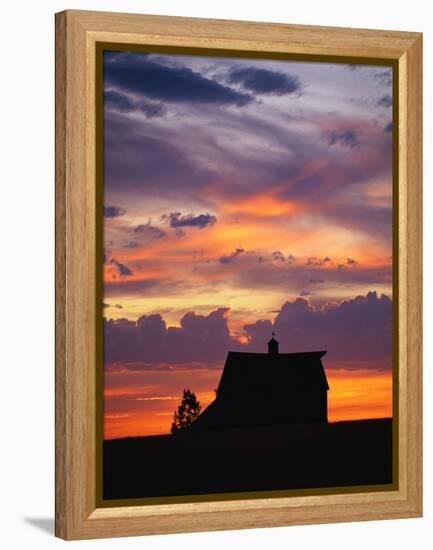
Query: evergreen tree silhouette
point(187, 411)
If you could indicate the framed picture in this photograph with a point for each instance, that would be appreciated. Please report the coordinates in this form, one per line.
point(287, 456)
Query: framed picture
point(238, 274)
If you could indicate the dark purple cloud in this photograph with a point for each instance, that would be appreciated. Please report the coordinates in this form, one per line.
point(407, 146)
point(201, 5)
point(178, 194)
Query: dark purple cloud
point(199, 337)
point(264, 81)
point(164, 287)
point(375, 220)
point(346, 138)
point(136, 287)
point(359, 329)
point(122, 269)
point(317, 261)
point(384, 101)
point(388, 128)
point(278, 256)
point(131, 244)
point(113, 211)
point(150, 230)
point(308, 185)
point(140, 74)
point(146, 163)
point(117, 101)
point(201, 221)
point(230, 258)
point(384, 78)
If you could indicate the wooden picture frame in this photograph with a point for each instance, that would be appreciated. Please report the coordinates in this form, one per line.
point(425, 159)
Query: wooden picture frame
point(78, 515)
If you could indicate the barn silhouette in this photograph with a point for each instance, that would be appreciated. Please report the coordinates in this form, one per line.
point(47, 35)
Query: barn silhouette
point(258, 389)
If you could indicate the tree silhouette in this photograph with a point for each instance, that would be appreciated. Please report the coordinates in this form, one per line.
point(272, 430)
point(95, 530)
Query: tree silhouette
point(187, 411)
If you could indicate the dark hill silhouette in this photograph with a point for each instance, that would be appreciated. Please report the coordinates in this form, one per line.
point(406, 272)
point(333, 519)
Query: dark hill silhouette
point(265, 458)
point(260, 389)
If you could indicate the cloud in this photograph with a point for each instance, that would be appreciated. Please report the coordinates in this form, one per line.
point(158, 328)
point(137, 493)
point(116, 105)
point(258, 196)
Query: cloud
point(117, 101)
point(152, 286)
point(388, 127)
point(359, 329)
point(306, 186)
point(140, 74)
point(120, 367)
point(302, 167)
point(149, 339)
point(316, 281)
point(230, 258)
point(151, 230)
point(176, 220)
point(131, 244)
point(317, 262)
point(113, 211)
point(371, 219)
point(384, 101)
point(278, 256)
point(314, 261)
point(384, 78)
point(136, 162)
point(346, 138)
point(353, 67)
point(350, 262)
point(264, 81)
point(123, 269)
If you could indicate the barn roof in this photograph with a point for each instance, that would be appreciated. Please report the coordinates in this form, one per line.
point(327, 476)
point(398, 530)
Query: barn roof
point(288, 371)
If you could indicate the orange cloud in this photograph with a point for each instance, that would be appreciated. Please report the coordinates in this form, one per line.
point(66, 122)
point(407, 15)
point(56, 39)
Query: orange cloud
point(261, 206)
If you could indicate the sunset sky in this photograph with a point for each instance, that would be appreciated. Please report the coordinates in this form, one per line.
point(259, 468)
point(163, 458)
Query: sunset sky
point(244, 196)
